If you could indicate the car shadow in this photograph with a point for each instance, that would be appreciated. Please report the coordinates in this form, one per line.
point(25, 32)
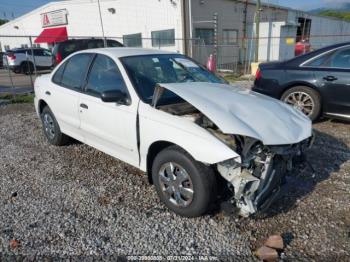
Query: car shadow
point(332, 120)
point(325, 157)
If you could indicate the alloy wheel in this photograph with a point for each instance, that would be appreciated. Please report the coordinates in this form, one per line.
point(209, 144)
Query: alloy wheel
point(49, 126)
point(301, 101)
point(176, 184)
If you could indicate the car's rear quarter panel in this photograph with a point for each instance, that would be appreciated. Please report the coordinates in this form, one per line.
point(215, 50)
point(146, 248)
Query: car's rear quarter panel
point(270, 82)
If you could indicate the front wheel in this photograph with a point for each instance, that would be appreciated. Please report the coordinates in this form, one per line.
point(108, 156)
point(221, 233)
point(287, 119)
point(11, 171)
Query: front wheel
point(184, 185)
point(304, 99)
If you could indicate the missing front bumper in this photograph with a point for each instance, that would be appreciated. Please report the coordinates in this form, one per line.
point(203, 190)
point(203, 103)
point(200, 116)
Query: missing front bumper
point(256, 179)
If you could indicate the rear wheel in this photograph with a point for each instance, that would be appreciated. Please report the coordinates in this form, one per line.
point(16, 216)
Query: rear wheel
point(184, 185)
point(51, 128)
point(304, 99)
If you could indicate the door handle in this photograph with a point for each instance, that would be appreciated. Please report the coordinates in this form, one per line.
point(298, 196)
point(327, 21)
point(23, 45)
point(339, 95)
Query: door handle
point(47, 93)
point(330, 78)
point(84, 106)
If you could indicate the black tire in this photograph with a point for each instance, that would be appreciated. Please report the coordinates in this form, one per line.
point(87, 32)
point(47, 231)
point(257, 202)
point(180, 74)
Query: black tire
point(313, 94)
point(17, 70)
point(202, 178)
point(54, 136)
point(27, 68)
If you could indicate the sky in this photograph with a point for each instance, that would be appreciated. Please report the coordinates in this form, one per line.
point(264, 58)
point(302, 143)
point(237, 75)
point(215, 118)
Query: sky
point(9, 8)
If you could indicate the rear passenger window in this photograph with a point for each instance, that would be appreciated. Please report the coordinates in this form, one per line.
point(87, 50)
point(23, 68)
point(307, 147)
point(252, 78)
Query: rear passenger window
point(104, 76)
point(317, 62)
point(75, 71)
point(57, 78)
point(341, 59)
point(38, 52)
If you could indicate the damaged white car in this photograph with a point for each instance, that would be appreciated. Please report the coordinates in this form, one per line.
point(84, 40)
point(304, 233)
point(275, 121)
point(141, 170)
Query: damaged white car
point(168, 116)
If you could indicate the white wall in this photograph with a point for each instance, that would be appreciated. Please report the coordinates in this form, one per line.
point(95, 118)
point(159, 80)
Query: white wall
point(273, 42)
point(132, 16)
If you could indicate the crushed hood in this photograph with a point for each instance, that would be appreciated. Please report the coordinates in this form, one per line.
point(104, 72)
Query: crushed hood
point(242, 112)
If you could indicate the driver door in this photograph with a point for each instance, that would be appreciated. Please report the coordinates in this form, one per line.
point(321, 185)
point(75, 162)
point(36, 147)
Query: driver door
point(109, 127)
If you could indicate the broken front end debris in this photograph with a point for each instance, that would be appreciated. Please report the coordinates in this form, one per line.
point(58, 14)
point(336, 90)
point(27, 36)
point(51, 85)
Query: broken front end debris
point(256, 175)
point(255, 179)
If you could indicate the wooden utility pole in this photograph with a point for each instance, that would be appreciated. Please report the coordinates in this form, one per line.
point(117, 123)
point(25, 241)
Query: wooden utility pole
point(257, 29)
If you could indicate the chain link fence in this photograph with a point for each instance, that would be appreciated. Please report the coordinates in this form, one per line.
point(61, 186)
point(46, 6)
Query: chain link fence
point(20, 71)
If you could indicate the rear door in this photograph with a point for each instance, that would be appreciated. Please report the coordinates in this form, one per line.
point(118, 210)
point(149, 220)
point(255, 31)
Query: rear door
point(334, 78)
point(63, 95)
point(109, 127)
point(47, 58)
point(43, 58)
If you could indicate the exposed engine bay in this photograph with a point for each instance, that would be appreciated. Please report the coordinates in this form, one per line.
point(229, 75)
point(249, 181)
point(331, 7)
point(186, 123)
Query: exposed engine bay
point(255, 178)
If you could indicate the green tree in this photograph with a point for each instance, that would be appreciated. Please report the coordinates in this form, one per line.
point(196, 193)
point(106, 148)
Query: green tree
point(337, 14)
point(3, 21)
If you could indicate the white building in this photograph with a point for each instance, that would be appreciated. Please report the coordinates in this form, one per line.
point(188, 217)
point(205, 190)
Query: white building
point(144, 22)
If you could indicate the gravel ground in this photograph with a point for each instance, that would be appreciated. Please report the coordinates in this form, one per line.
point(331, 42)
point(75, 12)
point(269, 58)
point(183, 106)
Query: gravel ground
point(77, 201)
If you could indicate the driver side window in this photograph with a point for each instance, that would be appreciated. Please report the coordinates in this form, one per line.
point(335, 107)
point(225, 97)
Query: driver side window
point(104, 76)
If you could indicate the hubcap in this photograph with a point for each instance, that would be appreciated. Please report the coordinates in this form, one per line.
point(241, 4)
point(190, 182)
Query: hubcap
point(49, 126)
point(301, 101)
point(176, 184)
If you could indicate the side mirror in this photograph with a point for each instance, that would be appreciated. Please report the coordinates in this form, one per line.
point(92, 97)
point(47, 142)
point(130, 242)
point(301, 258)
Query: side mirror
point(115, 96)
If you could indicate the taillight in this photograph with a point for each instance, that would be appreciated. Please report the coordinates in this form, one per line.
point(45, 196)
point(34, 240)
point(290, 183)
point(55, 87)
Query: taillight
point(11, 56)
point(58, 58)
point(258, 74)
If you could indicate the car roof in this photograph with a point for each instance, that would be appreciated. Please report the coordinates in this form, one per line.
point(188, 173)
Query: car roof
point(118, 52)
point(85, 40)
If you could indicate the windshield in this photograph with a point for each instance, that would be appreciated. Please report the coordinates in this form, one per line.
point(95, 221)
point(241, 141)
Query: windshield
point(148, 70)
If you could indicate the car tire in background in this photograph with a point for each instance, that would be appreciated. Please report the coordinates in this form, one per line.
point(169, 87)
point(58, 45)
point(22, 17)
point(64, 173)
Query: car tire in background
point(305, 99)
point(51, 128)
point(27, 68)
point(184, 185)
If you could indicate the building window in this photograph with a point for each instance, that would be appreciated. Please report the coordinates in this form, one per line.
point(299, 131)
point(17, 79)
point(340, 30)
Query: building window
point(205, 34)
point(230, 36)
point(163, 38)
point(6, 47)
point(134, 40)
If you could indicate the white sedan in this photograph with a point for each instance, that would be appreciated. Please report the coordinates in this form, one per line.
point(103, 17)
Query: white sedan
point(187, 128)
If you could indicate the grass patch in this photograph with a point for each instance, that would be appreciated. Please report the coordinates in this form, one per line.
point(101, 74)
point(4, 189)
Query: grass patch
point(232, 78)
point(18, 99)
point(235, 77)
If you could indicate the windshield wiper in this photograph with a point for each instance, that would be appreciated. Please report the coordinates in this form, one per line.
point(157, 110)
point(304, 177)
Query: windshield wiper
point(186, 69)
